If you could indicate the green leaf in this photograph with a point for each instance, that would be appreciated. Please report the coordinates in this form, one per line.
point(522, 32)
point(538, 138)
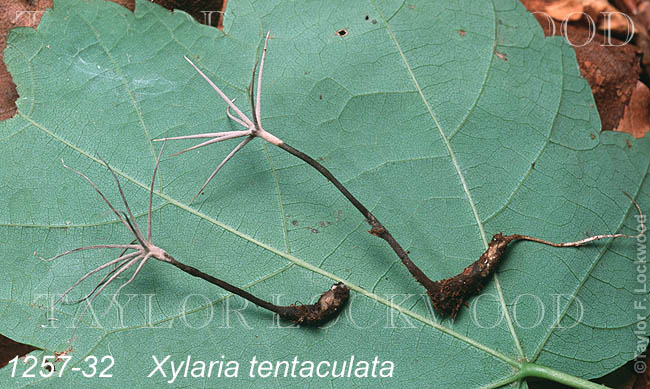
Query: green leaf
point(444, 140)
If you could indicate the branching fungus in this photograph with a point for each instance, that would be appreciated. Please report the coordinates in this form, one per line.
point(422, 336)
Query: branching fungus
point(447, 295)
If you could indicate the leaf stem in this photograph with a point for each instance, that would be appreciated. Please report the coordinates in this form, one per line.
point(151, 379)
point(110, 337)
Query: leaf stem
point(529, 369)
point(535, 370)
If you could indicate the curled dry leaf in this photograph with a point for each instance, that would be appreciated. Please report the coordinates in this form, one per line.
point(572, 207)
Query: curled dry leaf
point(636, 119)
point(574, 10)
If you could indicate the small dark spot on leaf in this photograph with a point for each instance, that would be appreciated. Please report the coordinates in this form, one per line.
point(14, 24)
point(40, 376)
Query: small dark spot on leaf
point(294, 222)
point(367, 17)
point(320, 97)
point(342, 32)
point(329, 223)
point(532, 165)
point(306, 73)
point(629, 145)
point(501, 56)
point(374, 21)
point(309, 228)
point(461, 32)
point(592, 135)
point(315, 231)
point(407, 252)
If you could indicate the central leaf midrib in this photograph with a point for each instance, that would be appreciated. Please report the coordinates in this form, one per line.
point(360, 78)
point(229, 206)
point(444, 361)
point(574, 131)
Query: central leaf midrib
point(461, 177)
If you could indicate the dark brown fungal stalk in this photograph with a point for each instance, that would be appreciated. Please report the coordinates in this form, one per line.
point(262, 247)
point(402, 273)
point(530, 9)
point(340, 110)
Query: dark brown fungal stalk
point(254, 129)
point(327, 307)
point(450, 294)
point(447, 295)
